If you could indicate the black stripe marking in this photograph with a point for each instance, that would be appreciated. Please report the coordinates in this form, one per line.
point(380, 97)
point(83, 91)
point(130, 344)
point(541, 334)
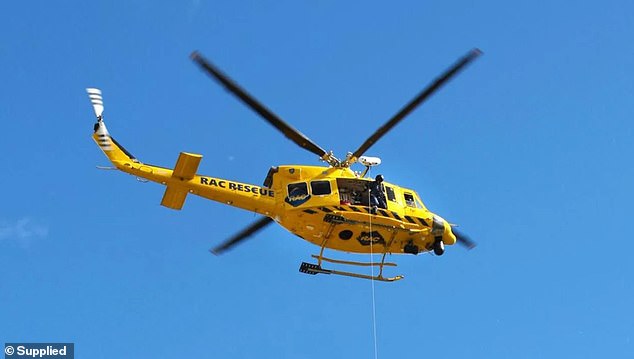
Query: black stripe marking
point(384, 213)
point(310, 211)
point(355, 209)
point(325, 209)
point(410, 219)
point(341, 209)
point(422, 221)
point(396, 216)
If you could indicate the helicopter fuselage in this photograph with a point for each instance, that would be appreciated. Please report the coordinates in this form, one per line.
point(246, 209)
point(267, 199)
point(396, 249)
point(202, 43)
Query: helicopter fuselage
point(327, 206)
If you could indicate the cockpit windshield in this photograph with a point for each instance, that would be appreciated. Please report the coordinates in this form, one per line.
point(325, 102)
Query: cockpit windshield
point(419, 203)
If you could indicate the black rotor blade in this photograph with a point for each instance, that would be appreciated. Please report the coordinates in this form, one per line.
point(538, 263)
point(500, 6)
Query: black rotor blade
point(422, 96)
point(463, 239)
point(241, 236)
point(288, 131)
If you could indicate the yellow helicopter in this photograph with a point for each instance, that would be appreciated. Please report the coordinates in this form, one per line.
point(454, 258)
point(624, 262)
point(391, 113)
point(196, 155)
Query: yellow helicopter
point(331, 206)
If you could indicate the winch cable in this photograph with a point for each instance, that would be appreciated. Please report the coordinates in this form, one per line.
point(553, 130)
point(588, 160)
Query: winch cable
point(372, 271)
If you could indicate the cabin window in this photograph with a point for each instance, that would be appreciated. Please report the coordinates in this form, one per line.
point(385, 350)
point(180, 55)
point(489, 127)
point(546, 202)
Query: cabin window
point(409, 199)
point(297, 189)
point(390, 193)
point(320, 188)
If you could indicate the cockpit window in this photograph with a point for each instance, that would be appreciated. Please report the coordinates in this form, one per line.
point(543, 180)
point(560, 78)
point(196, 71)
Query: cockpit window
point(320, 187)
point(409, 199)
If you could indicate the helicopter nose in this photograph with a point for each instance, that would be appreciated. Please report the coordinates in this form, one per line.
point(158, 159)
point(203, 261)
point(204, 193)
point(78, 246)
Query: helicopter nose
point(449, 237)
point(450, 234)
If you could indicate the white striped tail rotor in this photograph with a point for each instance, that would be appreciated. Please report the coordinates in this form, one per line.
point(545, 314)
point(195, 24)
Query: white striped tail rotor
point(96, 100)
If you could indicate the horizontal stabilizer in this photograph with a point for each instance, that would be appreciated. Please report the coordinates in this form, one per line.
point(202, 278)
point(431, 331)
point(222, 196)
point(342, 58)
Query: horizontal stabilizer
point(187, 165)
point(174, 198)
point(185, 170)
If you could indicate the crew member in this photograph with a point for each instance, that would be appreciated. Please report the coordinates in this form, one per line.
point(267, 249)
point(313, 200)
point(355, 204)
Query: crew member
point(377, 193)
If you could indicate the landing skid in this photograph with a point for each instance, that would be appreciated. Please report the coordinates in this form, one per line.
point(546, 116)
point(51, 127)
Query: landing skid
point(310, 268)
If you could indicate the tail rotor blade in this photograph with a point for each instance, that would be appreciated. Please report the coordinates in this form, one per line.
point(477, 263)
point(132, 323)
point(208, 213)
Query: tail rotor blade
point(96, 100)
point(244, 234)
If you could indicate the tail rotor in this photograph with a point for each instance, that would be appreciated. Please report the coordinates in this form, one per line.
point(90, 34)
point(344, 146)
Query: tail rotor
point(97, 102)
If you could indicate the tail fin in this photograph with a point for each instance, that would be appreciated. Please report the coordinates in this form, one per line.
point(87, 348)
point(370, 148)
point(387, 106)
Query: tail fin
point(110, 147)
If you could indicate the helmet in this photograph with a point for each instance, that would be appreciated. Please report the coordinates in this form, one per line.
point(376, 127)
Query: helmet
point(378, 178)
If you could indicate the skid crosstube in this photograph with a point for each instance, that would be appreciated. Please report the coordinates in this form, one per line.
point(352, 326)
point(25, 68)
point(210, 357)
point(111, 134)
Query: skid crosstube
point(314, 269)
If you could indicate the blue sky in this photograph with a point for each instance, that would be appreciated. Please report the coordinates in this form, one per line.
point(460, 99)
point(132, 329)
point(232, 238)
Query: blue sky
point(529, 150)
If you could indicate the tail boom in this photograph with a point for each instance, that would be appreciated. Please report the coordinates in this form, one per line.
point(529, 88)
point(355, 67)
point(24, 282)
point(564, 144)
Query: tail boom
point(242, 195)
point(182, 180)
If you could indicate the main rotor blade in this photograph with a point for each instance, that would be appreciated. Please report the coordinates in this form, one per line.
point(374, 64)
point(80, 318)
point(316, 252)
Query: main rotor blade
point(422, 96)
point(288, 131)
point(241, 236)
point(463, 239)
